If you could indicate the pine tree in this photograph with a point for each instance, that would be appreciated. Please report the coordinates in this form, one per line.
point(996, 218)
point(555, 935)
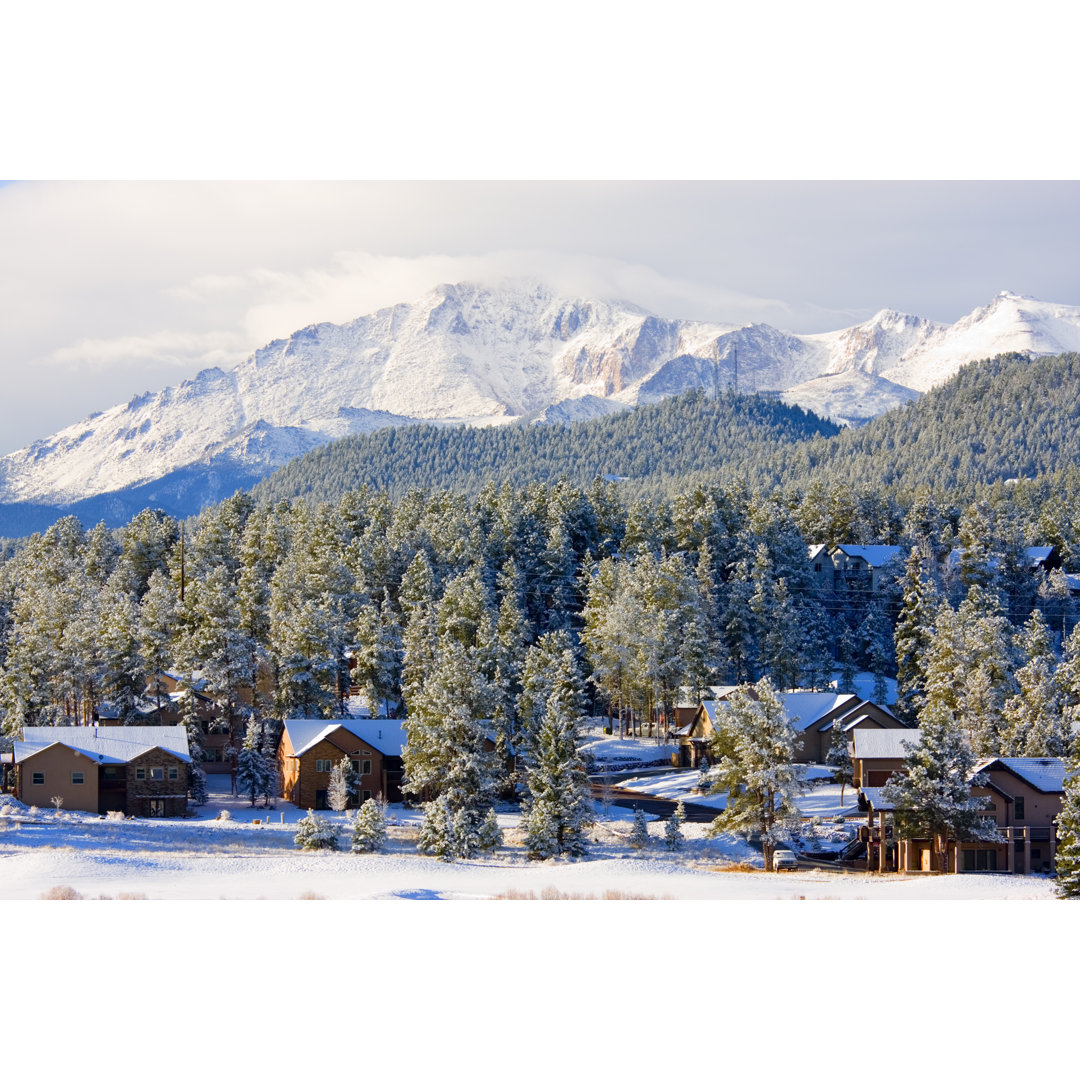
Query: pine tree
point(755, 746)
point(444, 756)
point(558, 805)
point(673, 836)
point(933, 798)
point(914, 632)
point(314, 833)
point(369, 832)
point(1033, 721)
point(1067, 860)
point(253, 777)
point(490, 835)
point(839, 757)
point(639, 831)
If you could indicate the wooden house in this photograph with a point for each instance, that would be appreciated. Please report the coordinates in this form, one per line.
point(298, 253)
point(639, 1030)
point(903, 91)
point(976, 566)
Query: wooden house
point(141, 771)
point(1021, 797)
point(310, 748)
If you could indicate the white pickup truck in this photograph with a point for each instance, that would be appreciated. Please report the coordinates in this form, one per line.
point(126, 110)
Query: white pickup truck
point(784, 860)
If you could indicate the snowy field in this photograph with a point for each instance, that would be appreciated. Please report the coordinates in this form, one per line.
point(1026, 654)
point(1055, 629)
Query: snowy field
point(207, 858)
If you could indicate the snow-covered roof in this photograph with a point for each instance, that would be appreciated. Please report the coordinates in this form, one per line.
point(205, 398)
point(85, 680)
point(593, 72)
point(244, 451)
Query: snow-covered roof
point(107, 746)
point(847, 720)
point(806, 707)
point(1036, 555)
point(876, 555)
point(885, 742)
point(816, 549)
point(1043, 774)
point(386, 735)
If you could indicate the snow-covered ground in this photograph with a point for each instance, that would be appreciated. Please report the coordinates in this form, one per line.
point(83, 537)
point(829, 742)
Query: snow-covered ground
point(207, 858)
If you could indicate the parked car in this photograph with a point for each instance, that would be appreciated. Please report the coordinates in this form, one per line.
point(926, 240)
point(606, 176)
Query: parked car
point(784, 860)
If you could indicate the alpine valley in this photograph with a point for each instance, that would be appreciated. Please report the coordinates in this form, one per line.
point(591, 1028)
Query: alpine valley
point(467, 353)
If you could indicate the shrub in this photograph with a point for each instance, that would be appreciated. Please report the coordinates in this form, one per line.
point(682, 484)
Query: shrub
point(369, 833)
point(314, 833)
point(61, 892)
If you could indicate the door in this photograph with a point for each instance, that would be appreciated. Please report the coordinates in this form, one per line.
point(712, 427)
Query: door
point(320, 799)
point(924, 859)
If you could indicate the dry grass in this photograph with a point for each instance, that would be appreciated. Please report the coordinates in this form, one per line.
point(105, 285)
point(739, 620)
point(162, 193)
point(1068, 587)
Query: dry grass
point(309, 895)
point(131, 896)
point(551, 893)
point(737, 868)
point(61, 892)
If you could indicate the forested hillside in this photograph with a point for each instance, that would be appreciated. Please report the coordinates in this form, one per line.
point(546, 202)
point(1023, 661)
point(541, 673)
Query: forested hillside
point(1003, 418)
point(655, 443)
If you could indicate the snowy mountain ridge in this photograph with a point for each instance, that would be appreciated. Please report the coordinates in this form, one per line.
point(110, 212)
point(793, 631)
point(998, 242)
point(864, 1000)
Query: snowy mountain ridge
point(470, 353)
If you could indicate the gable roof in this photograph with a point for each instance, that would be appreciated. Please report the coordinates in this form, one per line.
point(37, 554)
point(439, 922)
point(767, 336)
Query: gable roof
point(385, 735)
point(1043, 774)
point(876, 555)
point(107, 746)
point(805, 708)
point(884, 742)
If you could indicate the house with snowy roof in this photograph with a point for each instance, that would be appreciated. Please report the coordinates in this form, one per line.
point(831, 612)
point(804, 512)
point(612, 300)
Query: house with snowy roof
point(865, 565)
point(1021, 796)
point(812, 714)
point(310, 748)
point(143, 771)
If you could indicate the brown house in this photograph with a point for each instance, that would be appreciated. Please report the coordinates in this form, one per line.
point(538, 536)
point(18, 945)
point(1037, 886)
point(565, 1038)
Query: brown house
point(309, 750)
point(812, 714)
point(1022, 797)
point(141, 771)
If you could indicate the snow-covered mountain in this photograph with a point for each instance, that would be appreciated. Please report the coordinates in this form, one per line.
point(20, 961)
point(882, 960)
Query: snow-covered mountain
point(468, 353)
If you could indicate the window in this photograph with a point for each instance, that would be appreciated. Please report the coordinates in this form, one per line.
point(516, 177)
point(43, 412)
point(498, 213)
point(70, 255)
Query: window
point(980, 860)
point(817, 568)
point(365, 768)
point(77, 777)
point(37, 778)
point(140, 772)
point(324, 765)
point(157, 772)
point(174, 772)
point(1018, 808)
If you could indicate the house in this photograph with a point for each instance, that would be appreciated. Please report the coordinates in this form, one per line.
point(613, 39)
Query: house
point(812, 714)
point(142, 771)
point(859, 565)
point(1022, 798)
point(310, 748)
point(877, 753)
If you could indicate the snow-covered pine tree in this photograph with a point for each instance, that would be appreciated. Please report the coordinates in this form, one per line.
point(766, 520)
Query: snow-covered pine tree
point(252, 774)
point(558, 806)
point(673, 836)
point(445, 756)
point(839, 757)
point(755, 747)
point(933, 798)
point(1067, 860)
point(314, 833)
point(1067, 680)
point(342, 785)
point(913, 634)
point(437, 834)
point(490, 835)
point(1033, 721)
point(639, 831)
point(369, 832)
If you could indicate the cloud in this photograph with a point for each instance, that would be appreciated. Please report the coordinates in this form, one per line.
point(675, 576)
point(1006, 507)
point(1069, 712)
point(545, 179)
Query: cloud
point(167, 348)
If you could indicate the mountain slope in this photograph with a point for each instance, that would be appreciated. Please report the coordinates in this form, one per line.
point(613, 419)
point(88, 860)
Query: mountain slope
point(467, 353)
